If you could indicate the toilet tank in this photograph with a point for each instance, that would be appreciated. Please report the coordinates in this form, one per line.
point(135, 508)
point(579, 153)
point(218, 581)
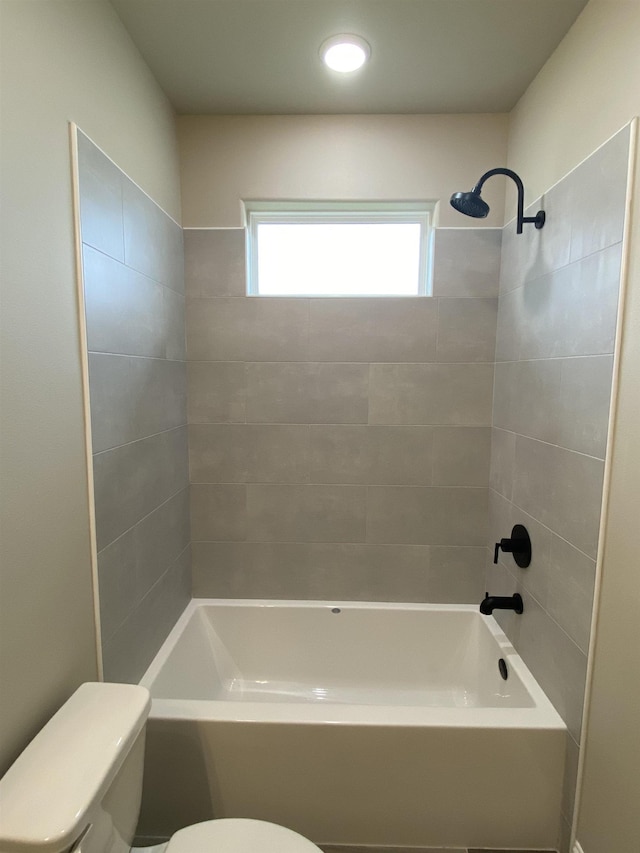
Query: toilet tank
point(77, 786)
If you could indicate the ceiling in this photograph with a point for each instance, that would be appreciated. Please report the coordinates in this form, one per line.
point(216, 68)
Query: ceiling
point(428, 56)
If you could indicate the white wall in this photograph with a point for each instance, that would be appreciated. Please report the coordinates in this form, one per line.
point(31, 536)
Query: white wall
point(61, 62)
point(355, 157)
point(588, 89)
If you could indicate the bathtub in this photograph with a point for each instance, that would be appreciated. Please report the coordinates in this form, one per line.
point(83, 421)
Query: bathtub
point(352, 723)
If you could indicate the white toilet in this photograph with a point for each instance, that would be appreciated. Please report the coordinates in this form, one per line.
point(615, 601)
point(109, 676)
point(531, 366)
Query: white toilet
point(77, 787)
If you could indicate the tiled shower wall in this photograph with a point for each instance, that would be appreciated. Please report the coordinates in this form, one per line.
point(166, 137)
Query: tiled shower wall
point(339, 448)
point(133, 265)
point(557, 315)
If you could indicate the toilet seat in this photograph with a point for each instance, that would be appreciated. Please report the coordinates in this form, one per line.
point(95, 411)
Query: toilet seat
point(239, 835)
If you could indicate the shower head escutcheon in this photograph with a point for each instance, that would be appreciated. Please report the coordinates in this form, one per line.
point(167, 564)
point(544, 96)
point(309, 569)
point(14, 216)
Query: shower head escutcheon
point(472, 204)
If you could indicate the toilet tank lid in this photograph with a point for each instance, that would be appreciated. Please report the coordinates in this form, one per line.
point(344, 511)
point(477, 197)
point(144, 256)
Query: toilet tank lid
point(46, 794)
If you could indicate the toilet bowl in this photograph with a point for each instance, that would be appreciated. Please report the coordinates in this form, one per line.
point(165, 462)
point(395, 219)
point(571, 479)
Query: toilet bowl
point(77, 787)
point(238, 835)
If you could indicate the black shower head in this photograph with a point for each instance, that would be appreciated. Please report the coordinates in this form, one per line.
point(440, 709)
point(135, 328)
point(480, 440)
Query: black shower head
point(471, 204)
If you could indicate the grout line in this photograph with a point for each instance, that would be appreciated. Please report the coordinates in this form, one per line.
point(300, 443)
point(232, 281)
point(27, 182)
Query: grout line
point(546, 527)
point(127, 266)
point(346, 424)
point(144, 518)
point(132, 355)
point(550, 444)
point(296, 484)
point(546, 358)
point(574, 262)
point(144, 438)
point(337, 362)
point(332, 543)
point(518, 579)
point(138, 604)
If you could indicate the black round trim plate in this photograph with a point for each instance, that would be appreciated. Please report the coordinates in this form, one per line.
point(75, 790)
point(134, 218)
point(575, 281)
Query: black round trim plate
point(521, 543)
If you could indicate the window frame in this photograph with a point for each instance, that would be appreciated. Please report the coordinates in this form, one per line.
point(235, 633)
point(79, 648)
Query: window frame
point(282, 212)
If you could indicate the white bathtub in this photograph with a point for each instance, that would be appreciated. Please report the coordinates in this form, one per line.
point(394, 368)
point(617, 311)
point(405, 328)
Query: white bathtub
point(352, 723)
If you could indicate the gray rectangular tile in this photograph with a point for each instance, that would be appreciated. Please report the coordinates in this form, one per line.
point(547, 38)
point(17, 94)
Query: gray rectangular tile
point(373, 329)
point(528, 397)
point(218, 453)
point(571, 584)
point(321, 571)
point(562, 489)
point(503, 458)
point(129, 313)
point(466, 261)
point(160, 539)
point(371, 454)
point(153, 242)
point(581, 421)
point(306, 513)
point(431, 394)
point(412, 515)
point(174, 337)
point(573, 311)
point(461, 456)
point(467, 329)
point(500, 521)
point(599, 187)
point(562, 401)
point(518, 256)
point(218, 512)
point(249, 453)
point(130, 481)
point(214, 261)
point(134, 397)
point(249, 329)
point(117, 581)
point(555, 661)
point(216, 391)
point(131, 649)
point(307, 393)
point(100, 200)
point(511, 316)
point(503, 385)
point(552, 244)
point(129, 567)
point(536, 253)
point(456, 575)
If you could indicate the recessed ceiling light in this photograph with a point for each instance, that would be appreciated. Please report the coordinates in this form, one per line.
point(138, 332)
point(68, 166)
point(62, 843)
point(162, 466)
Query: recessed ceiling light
point(345, 52)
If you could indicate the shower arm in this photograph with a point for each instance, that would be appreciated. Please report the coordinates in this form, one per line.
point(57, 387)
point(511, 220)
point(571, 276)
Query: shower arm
point(538, 219)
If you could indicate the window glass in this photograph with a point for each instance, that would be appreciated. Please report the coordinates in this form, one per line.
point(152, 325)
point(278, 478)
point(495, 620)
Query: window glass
point(338, 253)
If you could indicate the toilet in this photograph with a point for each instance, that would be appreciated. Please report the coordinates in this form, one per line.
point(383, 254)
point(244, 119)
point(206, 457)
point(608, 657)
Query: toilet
point(77, 787)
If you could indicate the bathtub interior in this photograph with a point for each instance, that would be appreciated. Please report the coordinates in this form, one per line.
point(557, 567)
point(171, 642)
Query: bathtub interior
point(354, 654)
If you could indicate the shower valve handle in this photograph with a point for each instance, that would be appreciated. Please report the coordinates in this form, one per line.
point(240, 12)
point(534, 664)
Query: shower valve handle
point(519, 544)
point(506, 545)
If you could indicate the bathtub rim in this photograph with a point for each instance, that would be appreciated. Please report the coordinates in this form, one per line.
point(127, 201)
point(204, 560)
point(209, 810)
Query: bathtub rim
point(541, 716)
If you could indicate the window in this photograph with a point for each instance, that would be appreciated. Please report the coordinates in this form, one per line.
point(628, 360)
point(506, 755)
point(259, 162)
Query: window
point(338, 249)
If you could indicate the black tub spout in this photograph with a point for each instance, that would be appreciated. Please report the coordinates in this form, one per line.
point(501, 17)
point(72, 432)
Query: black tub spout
point(501, 602)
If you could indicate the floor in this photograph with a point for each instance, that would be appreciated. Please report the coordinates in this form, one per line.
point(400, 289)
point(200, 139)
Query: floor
point(349, 849)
